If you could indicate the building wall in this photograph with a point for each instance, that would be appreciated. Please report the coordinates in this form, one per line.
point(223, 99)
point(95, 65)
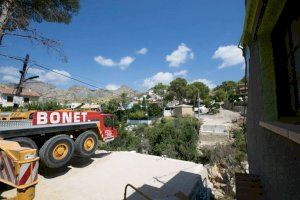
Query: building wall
point(273, 157)
point(4, 103)
point(183, 111)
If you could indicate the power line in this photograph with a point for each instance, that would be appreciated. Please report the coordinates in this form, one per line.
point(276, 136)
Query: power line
point(64, 75)
point(76, 75)
point(12, 57)
point(49, 69)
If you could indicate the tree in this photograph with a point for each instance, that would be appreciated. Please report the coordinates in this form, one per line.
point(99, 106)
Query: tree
point(193, 89)
point(178, 87)
point(124, 99)
point(111, 107)
point(160, 89)
point(220, 95)
point(192, 93)
point(154, 110)
point(16, 16)
point(228, 86)
point(202, 88)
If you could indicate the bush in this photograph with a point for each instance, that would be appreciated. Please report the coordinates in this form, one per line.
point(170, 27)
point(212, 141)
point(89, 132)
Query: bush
point(126, 141)
point(49, 105)
point(176, 138)
point(154, 110)
point(138, 115)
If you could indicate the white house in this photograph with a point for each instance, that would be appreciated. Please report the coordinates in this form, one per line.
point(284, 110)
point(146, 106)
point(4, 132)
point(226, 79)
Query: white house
point(7, 96)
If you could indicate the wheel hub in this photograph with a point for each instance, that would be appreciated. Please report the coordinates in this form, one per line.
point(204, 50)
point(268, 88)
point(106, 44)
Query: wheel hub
point(60, 151)
point(89, 144)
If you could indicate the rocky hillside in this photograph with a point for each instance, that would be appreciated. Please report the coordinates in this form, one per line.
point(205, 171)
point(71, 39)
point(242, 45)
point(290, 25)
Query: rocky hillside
point(76, 93)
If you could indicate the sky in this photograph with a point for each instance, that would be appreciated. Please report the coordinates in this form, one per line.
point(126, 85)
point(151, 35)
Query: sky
point(137, 43)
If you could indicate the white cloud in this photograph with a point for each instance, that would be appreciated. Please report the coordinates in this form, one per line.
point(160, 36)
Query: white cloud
point(181, 73)
point(124, 62)
point(180, 56)
point(105, 61)
point(10, 79)
point(112, 87)
point(56, 77)
point(142, 51)
point(9, 71)
point(162, 77)
point(229, 55)
point(207, 82)
point(11, 74)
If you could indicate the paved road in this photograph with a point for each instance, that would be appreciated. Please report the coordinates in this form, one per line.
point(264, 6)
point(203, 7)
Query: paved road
point(105, 177)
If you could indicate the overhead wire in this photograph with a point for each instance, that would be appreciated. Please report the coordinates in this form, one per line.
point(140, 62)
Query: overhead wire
point(54, 71)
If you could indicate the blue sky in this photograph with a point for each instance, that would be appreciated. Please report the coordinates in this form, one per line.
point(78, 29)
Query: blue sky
point(138, 43)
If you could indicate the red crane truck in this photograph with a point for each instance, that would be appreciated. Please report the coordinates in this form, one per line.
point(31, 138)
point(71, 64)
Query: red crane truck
point(60, 134)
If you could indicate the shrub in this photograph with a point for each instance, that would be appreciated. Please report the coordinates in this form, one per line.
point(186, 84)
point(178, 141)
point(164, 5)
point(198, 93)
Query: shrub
point(48, 105)
point(138, 115)
point(176, 138)
point(126, 141)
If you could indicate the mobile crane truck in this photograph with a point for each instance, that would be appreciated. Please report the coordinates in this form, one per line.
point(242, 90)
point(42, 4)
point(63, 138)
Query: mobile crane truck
point(58, 135)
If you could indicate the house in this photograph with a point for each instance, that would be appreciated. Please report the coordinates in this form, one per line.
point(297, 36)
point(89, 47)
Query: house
point(90, 106)
point(271, 47)
point(7, 96)
point(183, 110)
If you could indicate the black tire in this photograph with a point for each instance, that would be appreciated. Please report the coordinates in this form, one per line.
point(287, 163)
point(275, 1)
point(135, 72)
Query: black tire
point(50, 146)
point(25, 142)
point(81, 149)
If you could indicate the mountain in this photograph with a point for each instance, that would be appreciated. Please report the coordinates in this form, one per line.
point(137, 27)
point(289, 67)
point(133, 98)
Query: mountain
point(76, 93)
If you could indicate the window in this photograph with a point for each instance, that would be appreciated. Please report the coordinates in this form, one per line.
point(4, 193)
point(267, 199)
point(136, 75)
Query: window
point(26, 100)
point(9, 99)
point(286, 42)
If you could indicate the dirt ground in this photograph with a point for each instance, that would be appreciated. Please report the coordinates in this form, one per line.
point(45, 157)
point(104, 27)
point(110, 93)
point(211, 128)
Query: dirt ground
point(224, 118)
point(106, 174)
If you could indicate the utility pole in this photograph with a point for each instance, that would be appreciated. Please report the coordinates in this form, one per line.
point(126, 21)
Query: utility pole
point(23, 74)
point(23, 79)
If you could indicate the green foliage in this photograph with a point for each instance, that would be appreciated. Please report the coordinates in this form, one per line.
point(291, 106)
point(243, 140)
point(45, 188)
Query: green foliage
point(212, 105)
point(154, 110)
point(178, 87)
point(228, 155)
point(220, 95)
point(160, 89)
point(111, 107)
point(192, 93)
point(202, 88)
point(175, 138)
point(25, 11)
point(227, 86)
point(126, 141)
point(7, 109)
point(48, 105)
point(138, 115)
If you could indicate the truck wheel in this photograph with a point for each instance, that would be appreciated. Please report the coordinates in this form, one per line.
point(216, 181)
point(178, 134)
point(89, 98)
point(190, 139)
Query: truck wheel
point(57, 151)
point(86, 144)
point(25, 142)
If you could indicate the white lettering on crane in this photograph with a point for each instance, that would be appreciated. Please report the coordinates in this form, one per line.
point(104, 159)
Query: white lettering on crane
point(66, 117)
point(76, 117)
point(41, 118)
point(84, 116)
point(54, 117)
